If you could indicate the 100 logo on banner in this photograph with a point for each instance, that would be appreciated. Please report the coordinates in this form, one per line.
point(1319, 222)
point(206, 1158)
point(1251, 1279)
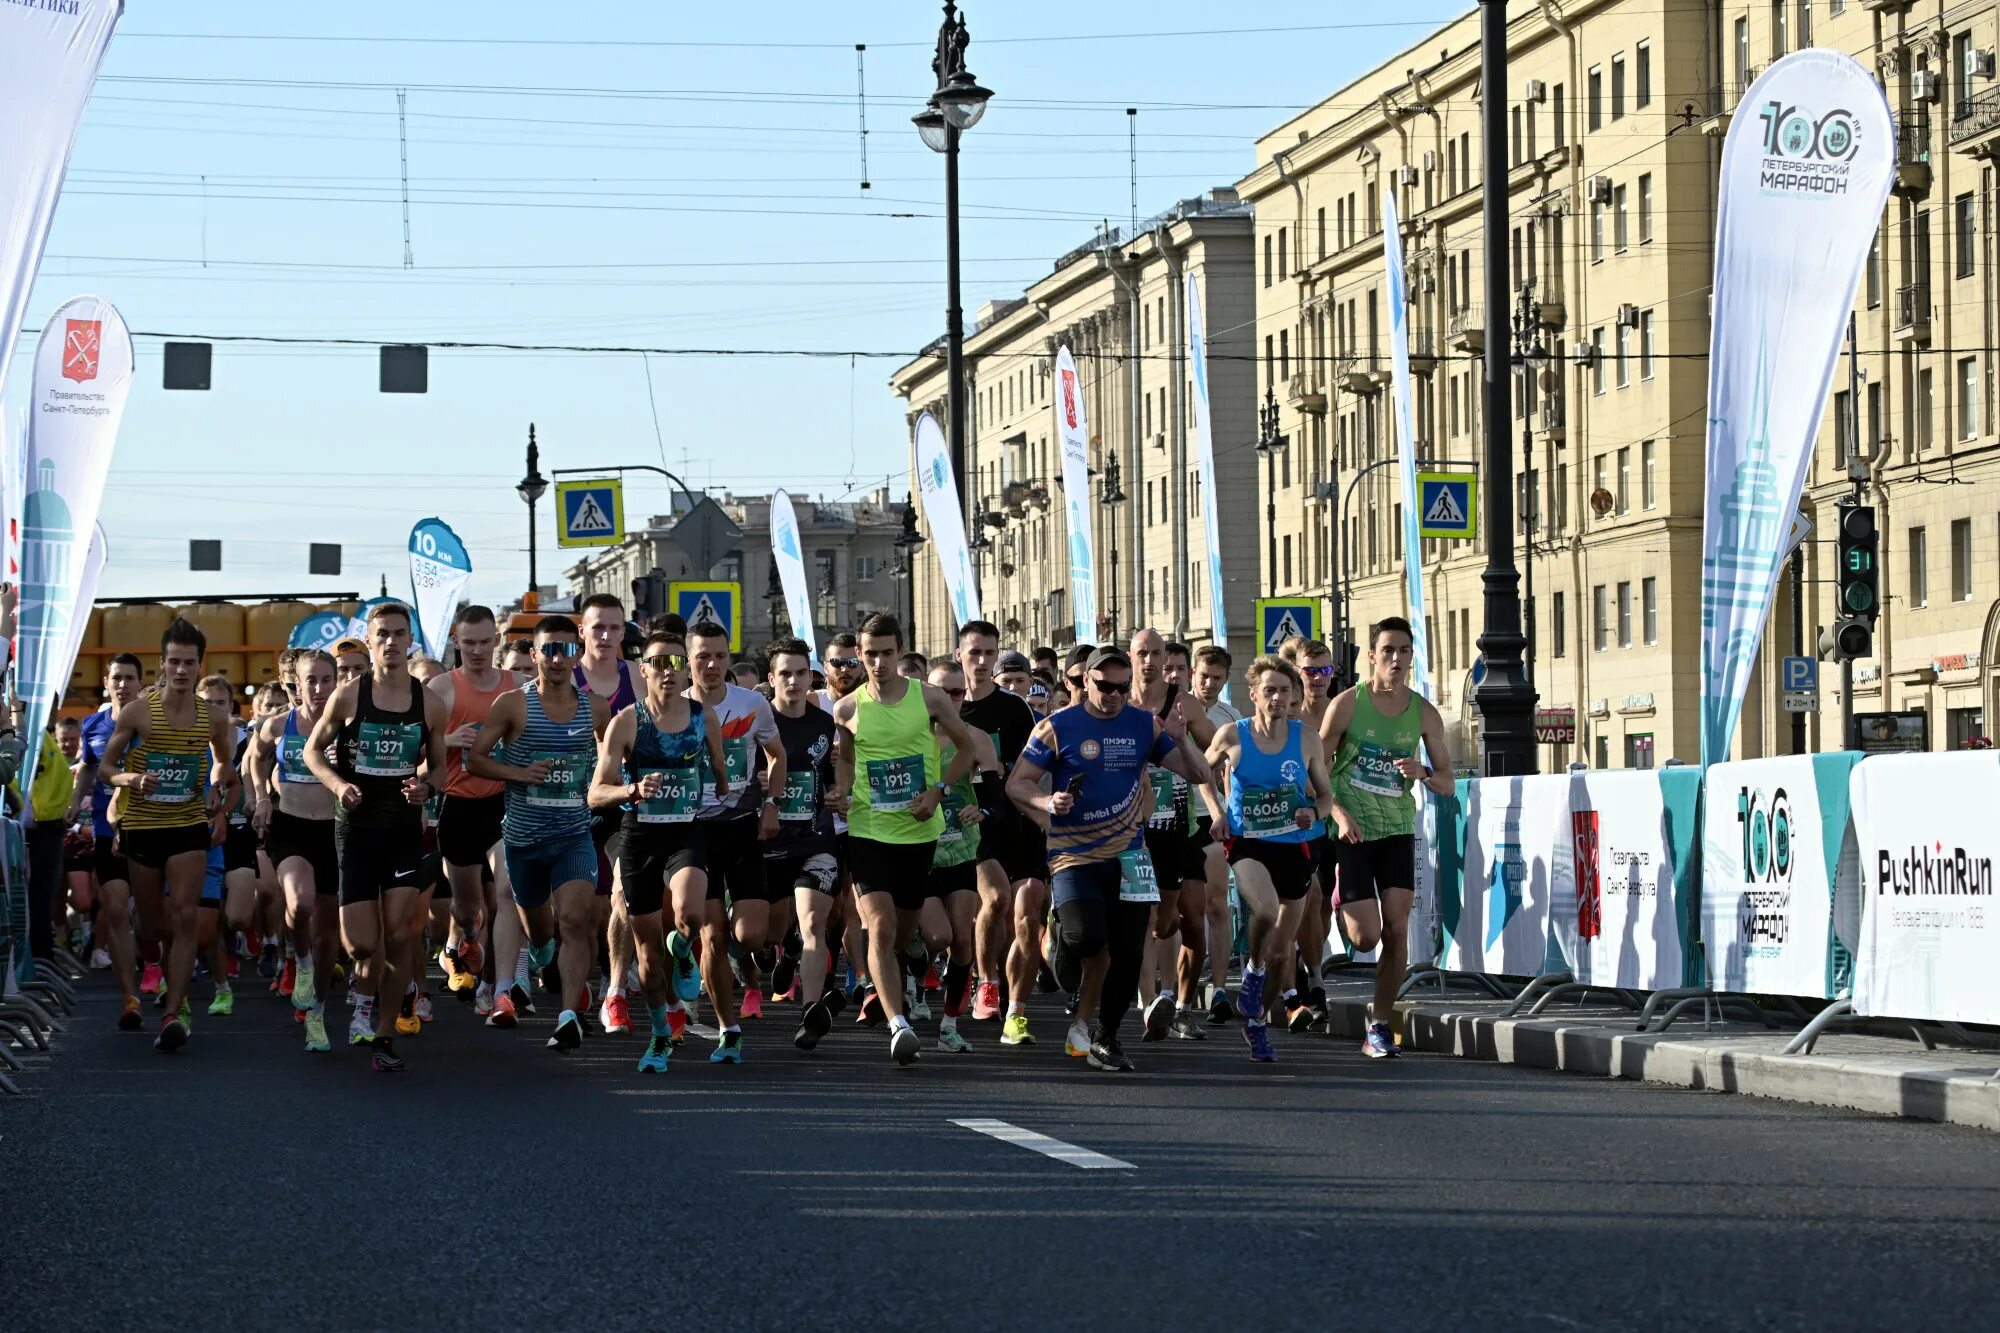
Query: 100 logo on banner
point(1766, 826)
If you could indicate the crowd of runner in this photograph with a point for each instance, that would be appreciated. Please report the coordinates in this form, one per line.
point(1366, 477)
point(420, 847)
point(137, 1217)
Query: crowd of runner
point(570, 832)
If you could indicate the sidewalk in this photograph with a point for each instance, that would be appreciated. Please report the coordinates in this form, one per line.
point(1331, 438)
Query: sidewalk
point(1886, 1075)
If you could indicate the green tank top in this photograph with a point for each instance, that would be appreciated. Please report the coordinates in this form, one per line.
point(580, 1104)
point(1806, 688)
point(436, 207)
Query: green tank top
point(1365, 780)
point(895, 759)
point(956, 844)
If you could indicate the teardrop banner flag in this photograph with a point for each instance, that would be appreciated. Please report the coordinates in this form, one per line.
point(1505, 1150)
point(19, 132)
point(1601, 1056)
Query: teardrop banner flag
point(49, 56)
point(1406, 470)
point(321, 630)
point(1204, 457)
point(791, 563)
point(1806, 168)
point(1073, 427)
point(83, 371)
point(439, 570)
point(938, 491)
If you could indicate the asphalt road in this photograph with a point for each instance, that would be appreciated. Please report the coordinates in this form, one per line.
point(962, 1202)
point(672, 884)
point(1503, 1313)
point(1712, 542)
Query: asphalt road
point(498, 1185)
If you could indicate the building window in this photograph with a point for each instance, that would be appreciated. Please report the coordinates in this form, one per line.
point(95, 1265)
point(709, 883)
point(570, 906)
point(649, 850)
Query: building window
point(1596, 232)
point(1617, 87)
point(1620, 230)
point(1919, 583)
point(1595, 86)
point(1600, 628)
point(1624, 615)
point(1649, 609)
point(1624, 496)
point(1968, 397)
point(1639, 750)
point(1284, 347)
point(1961, 560)
point(1284, 271)
point(1597, 361)
point(1921, 408)
point(1624, 355)
point(1742, 55)
point(1645, 208)
point(1514, 139)
point(1267, 260)
point(864, 569)
point(1645, 344)
point(1647, 495)
point(1875, 271)
point(1320, 224)
point(1642, 92)
point(1961, 725)
point(1843, 427)
point(1778, 28)
point(1805, 23)
point(1967, 242)
point(1556, 117)
point(1558, 625)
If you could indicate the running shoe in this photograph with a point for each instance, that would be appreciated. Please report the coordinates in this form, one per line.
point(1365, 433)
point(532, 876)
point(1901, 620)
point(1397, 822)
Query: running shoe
point(1045, 980)
point(1250, 996)
point(784, 976)
point(903, 1045)
point(1077, 1044)
point(463, 982)
point(1014, 1032)
point(224, 1003)
point(569, 1032)
point(814, 1023)
point(677, 1025)
point(360, 1030)
point(542, 957)
point(931, 980)
point(659, 1050)
point(407, 1022)
point(1187, 1026)
point(470, 959)
point(871, 1011)
point(614, 1015)
point(150, 980)
point(728, 1049)
point(986, 1001)
point(1107, 1054)
point(129, 1019)
point(949, 1039)
point(753, 1003)
point(687, 977)
point(288, 981)
point(448, 964)
point(385, 1059)
point(1258, 1035)
point(268, 960)
point(173, 1036)
point(482, 1000)
point(424, 1012)
point(1159, 1017)
point(524, 1003)
point(1298, 1017)
point(920, 1008)
point(99, 960)
point(316, 1032)
point(298, 1015)
point(187, 1014)
point(1221, 1010)
point(502, 1015)
point(1379, 1044)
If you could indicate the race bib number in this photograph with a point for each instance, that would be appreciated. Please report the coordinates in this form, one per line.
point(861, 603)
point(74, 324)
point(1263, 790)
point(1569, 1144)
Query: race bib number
point(736, 761)
point(952, 805)
point(1163, 798)
point(176, 778)
point(680, 792)
point(292, 761)
point(796, 798)
point(1135, 877)
point(1267, 811)
point(1375, 772)
point(387, 749)
point(894, 783)
point(563, 788)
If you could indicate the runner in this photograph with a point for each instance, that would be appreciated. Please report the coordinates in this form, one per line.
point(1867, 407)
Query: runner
point(546, 734)
point(604, 673)
point(1014, 860)
point(122, 676)
point(947, 919)
point(1180, 921)
point(844, 675)
point(294, 811)
point(736, 820)
point(1373, 731)
point(651, 762)
point(229, 895)
point(273, 699)
point(1211, 674)
point(386, 734)
point(468, 827)
point(801, 857)
point(350, 661)
point(886, 742)
point(168, 816)
point(1304, 997)
point(1278, 794)
point(519, 658)
point(1095, 753)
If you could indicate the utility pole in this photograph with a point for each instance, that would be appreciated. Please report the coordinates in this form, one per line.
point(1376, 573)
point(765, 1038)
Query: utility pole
point(1505, 699)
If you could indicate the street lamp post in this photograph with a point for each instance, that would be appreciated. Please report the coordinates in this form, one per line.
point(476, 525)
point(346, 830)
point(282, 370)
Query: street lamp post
point(1506, 698)
point(774, 600)
point(1114, 495)
point(954, 108)
point(1528, 356)
point(1268, 444)
point(532, 488)
point(907, 543)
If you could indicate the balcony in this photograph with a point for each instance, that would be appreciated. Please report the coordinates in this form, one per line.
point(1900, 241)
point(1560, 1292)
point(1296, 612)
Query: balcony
point(1423, 352)
point(1303, 394)
point(1554, 421)
point(1466, 331)
point(1975, 125)
point(1913, 313)
point(1913, 155)
point(1722, 99)
point(1360, 374)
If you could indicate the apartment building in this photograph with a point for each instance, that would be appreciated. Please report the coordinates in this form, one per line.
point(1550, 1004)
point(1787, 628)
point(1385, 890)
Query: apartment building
point(1616, 111)
point(1116, 302)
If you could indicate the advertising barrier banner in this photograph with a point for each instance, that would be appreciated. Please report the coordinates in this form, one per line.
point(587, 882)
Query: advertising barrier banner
point(1772, 837)
point(1624, 923)
point(1926, 832)
point(1516, 866)
point(439, 570)
point(1806, 168)
point(1073, 429)
point(938, 491)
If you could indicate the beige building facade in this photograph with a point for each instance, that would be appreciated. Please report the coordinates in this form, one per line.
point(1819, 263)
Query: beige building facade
point(1616, 111)
point(1117, 304)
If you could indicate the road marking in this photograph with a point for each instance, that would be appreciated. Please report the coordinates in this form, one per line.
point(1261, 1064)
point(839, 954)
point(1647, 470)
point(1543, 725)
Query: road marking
point(1043, 1144)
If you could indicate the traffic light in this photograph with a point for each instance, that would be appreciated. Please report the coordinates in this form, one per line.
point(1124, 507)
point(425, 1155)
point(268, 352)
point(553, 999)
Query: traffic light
point(1860, 595)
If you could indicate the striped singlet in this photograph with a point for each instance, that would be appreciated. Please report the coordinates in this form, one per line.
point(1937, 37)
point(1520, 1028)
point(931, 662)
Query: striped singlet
point(558, 807)
point(179, 756)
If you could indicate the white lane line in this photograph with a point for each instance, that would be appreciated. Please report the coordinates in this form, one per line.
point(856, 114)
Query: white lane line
point(1043, 1144)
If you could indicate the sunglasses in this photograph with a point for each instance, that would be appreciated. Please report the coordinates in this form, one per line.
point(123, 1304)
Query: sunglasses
point(958, 693)
point(1075, 682)
point(1317, 672)
point(667, 662)
point(845, 663)
point(1111, 686)
point(558, 650)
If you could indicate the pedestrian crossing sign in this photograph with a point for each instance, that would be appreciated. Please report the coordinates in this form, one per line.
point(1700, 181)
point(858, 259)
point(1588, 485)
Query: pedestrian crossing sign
point(718, 602)
point(590, 513)
point(1447, 504)
point(1281, 618)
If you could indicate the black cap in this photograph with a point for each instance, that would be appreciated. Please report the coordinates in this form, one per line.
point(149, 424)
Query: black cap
point(1108, 655)
point(1078, 655)
point(1012, 662)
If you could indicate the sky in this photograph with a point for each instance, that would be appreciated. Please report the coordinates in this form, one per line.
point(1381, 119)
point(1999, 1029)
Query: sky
point(654, 176)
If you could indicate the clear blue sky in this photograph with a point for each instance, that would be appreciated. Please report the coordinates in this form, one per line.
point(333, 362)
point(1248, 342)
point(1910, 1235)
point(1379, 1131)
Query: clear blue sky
point(633, 175)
